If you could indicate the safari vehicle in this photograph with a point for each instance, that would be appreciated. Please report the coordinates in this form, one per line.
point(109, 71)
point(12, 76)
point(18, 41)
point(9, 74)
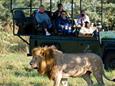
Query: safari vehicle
point(103, 45)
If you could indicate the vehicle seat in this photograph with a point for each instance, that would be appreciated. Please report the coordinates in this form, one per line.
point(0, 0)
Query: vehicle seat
point(19, 17)
point(24, 23)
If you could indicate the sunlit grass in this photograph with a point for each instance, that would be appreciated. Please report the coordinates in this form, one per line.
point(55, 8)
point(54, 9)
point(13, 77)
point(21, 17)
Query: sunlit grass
point(15, 71)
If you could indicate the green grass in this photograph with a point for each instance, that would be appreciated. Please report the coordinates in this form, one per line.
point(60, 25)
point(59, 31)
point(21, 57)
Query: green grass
point(16, 71)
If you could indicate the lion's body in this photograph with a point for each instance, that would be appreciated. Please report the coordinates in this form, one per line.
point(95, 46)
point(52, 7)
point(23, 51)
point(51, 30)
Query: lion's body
point(79, 64)
point(59, 66)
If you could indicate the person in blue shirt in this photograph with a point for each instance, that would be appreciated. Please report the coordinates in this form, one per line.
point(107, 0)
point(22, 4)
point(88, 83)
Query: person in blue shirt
point(43, 19)
point(63, 23)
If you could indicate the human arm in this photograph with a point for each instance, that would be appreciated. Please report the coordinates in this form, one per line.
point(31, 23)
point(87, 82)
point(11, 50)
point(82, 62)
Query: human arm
point(37, 17)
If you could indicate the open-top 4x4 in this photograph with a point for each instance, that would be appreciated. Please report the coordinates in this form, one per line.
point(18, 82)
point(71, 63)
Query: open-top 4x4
point(103, 45)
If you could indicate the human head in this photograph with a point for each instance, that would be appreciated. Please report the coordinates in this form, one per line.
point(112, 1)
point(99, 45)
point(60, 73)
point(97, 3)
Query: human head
point(63, 14)
point(60, 7)
point(82, 13)
point(41, 9)
point(87, 24)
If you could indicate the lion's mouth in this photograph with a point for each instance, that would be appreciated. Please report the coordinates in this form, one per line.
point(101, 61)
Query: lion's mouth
point(35, 68)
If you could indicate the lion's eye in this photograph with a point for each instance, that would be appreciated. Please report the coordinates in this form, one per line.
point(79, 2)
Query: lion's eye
point(37, 57)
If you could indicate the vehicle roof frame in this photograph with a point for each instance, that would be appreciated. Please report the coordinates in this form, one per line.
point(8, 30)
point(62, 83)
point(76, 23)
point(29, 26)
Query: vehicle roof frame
point(72, 1)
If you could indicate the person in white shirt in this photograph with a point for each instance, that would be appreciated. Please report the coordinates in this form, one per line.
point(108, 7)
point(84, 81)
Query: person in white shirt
point(83, 18)
point(87, 29)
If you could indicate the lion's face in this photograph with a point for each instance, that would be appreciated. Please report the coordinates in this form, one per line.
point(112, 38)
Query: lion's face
point(35, 62)
point(42, 59)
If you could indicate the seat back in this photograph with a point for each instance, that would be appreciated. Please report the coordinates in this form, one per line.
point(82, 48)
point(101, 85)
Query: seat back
point(19, 17)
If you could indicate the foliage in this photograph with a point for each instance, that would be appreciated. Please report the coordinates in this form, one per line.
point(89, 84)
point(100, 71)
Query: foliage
point(92, 7)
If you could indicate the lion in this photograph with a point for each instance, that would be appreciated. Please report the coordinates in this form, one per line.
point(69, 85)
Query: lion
point(59, 66)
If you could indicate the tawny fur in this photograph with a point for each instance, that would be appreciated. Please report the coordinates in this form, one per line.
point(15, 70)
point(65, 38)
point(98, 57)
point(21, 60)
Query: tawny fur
point(57, 65)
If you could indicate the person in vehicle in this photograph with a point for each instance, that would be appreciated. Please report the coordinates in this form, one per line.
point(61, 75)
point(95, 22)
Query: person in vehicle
point(87, 29)
point(63, 23)
point(96, 30)
point(82, 18)
point(43, 20)
point(57, 13)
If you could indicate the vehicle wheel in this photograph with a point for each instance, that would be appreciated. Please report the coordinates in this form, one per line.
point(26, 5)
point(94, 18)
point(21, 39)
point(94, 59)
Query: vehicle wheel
point(109, 59)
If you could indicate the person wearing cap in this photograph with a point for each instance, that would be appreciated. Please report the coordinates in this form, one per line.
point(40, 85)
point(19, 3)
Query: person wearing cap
point(43, 19)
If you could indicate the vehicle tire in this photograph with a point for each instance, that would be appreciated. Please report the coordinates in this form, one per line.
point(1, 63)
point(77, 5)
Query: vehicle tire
point(109, 59)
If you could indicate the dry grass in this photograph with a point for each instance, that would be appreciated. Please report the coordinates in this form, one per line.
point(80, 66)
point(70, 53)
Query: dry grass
point(15, 71)
point(10, 43)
